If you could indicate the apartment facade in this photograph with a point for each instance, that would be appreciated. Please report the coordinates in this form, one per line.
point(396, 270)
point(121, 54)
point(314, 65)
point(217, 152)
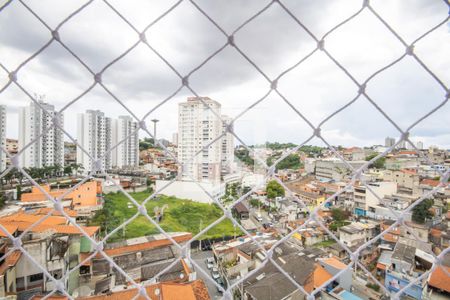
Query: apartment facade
point(2, 137)
point(98, 135)
point(47, 142)
point(334, 168)
point(227, 146)
point(94, 136)
point(365, 201)
point(124, 131)
point(408, 180)
point(197, 127)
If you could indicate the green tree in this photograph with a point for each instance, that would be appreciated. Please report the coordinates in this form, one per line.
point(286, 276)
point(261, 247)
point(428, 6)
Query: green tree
point(421, 212)
point(243, 155)
point(274, 189)
point(2, 199)
point(378, 164)
point(255, 202)
point(68, 170)
point(339, 215)
point(292, 161)
point(19, 191)
point(146, 143)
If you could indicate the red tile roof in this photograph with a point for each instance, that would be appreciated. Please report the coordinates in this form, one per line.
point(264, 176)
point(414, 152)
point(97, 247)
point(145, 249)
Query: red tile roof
point(430, 182)
point(320, 276)
point(334, 262)
point(32, 218)
point(145, 246)
point(62, 229)
point(439, 279)
point(10, 261)
point(195, 290)
point(10, 228)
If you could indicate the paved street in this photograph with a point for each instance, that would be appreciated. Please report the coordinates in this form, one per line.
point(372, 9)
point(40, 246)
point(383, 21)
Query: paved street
point(199, 257)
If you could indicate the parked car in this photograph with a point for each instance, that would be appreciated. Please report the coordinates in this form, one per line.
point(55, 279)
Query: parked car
point(221, 283)
point(210, 262)
point(258, 217)
point(267, 225)
point(215, 273)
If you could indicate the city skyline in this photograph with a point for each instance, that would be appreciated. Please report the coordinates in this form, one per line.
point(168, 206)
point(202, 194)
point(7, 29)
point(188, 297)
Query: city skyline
point(12, 119)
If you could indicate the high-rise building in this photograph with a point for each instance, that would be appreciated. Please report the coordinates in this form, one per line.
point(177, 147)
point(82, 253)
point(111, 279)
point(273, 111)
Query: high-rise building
point(197, 127)
point(2, 137)
point(419, 145)
point(98, 135)
point(175, 138)
point(126, 154)
point(227, 146)
point(36, 127)
point(389, 142)
point(401, 145)
point(94, 138)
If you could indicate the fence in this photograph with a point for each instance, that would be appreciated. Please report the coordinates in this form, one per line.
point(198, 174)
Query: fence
point(14, 79)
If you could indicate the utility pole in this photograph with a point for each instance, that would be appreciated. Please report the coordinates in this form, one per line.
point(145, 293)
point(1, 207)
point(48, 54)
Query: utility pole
point(200, 229)
point(154, 131)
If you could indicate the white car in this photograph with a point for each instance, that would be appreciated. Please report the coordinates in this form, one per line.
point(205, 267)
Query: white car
point(210, 262)
point(259, 218)
point(215, 273)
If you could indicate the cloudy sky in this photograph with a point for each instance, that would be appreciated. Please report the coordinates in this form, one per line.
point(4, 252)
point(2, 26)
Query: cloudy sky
point(273, 41)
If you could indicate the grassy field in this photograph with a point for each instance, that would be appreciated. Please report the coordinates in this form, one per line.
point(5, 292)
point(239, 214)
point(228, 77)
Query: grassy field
point(180, 215)
point(324, 244)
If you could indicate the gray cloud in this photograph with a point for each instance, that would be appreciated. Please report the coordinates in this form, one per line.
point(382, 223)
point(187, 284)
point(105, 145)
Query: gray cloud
point(273, 41)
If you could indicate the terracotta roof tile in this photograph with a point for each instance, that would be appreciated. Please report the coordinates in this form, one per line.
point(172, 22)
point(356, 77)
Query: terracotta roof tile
point(46, 210)
point(10, 228)
point(320, 276)
point(10, 261)
point(430, 182)
point(334, 262)
point(147, 245)
point(32, 218)
point(439, 279)
point(63, 229)
point(195, 290)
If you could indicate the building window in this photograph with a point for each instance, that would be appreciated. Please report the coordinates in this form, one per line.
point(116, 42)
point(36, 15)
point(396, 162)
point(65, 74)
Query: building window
point(36, 277)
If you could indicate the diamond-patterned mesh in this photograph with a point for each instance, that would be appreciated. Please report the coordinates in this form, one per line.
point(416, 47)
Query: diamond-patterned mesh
point(229, 42)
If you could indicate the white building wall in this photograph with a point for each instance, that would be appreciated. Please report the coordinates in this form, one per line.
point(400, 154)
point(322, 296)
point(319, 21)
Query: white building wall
point(124, 131)
point(2, 137)
point(197, 127)
point(93, 135)
point(46, 150)
point(227, 147)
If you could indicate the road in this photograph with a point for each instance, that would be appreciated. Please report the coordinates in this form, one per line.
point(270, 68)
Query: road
point(199, 257)
point(264, 216)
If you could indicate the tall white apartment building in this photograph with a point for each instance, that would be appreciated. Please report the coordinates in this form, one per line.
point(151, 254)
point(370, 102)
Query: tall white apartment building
point(389, 142)
point(36, 125)
point(227, 146)
point(94, 135)
point(127, 153)
point(2, 137)
point(197, 127)
point(98, 134)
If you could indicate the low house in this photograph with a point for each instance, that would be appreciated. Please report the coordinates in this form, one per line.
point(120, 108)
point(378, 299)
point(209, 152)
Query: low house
point(193, 290)
point(438, 281)
point(52, 243)
point(241, 211)
point(141, 258)
point(270, 284)
point(87, 196)
point(334, 265)
point(352, 235)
